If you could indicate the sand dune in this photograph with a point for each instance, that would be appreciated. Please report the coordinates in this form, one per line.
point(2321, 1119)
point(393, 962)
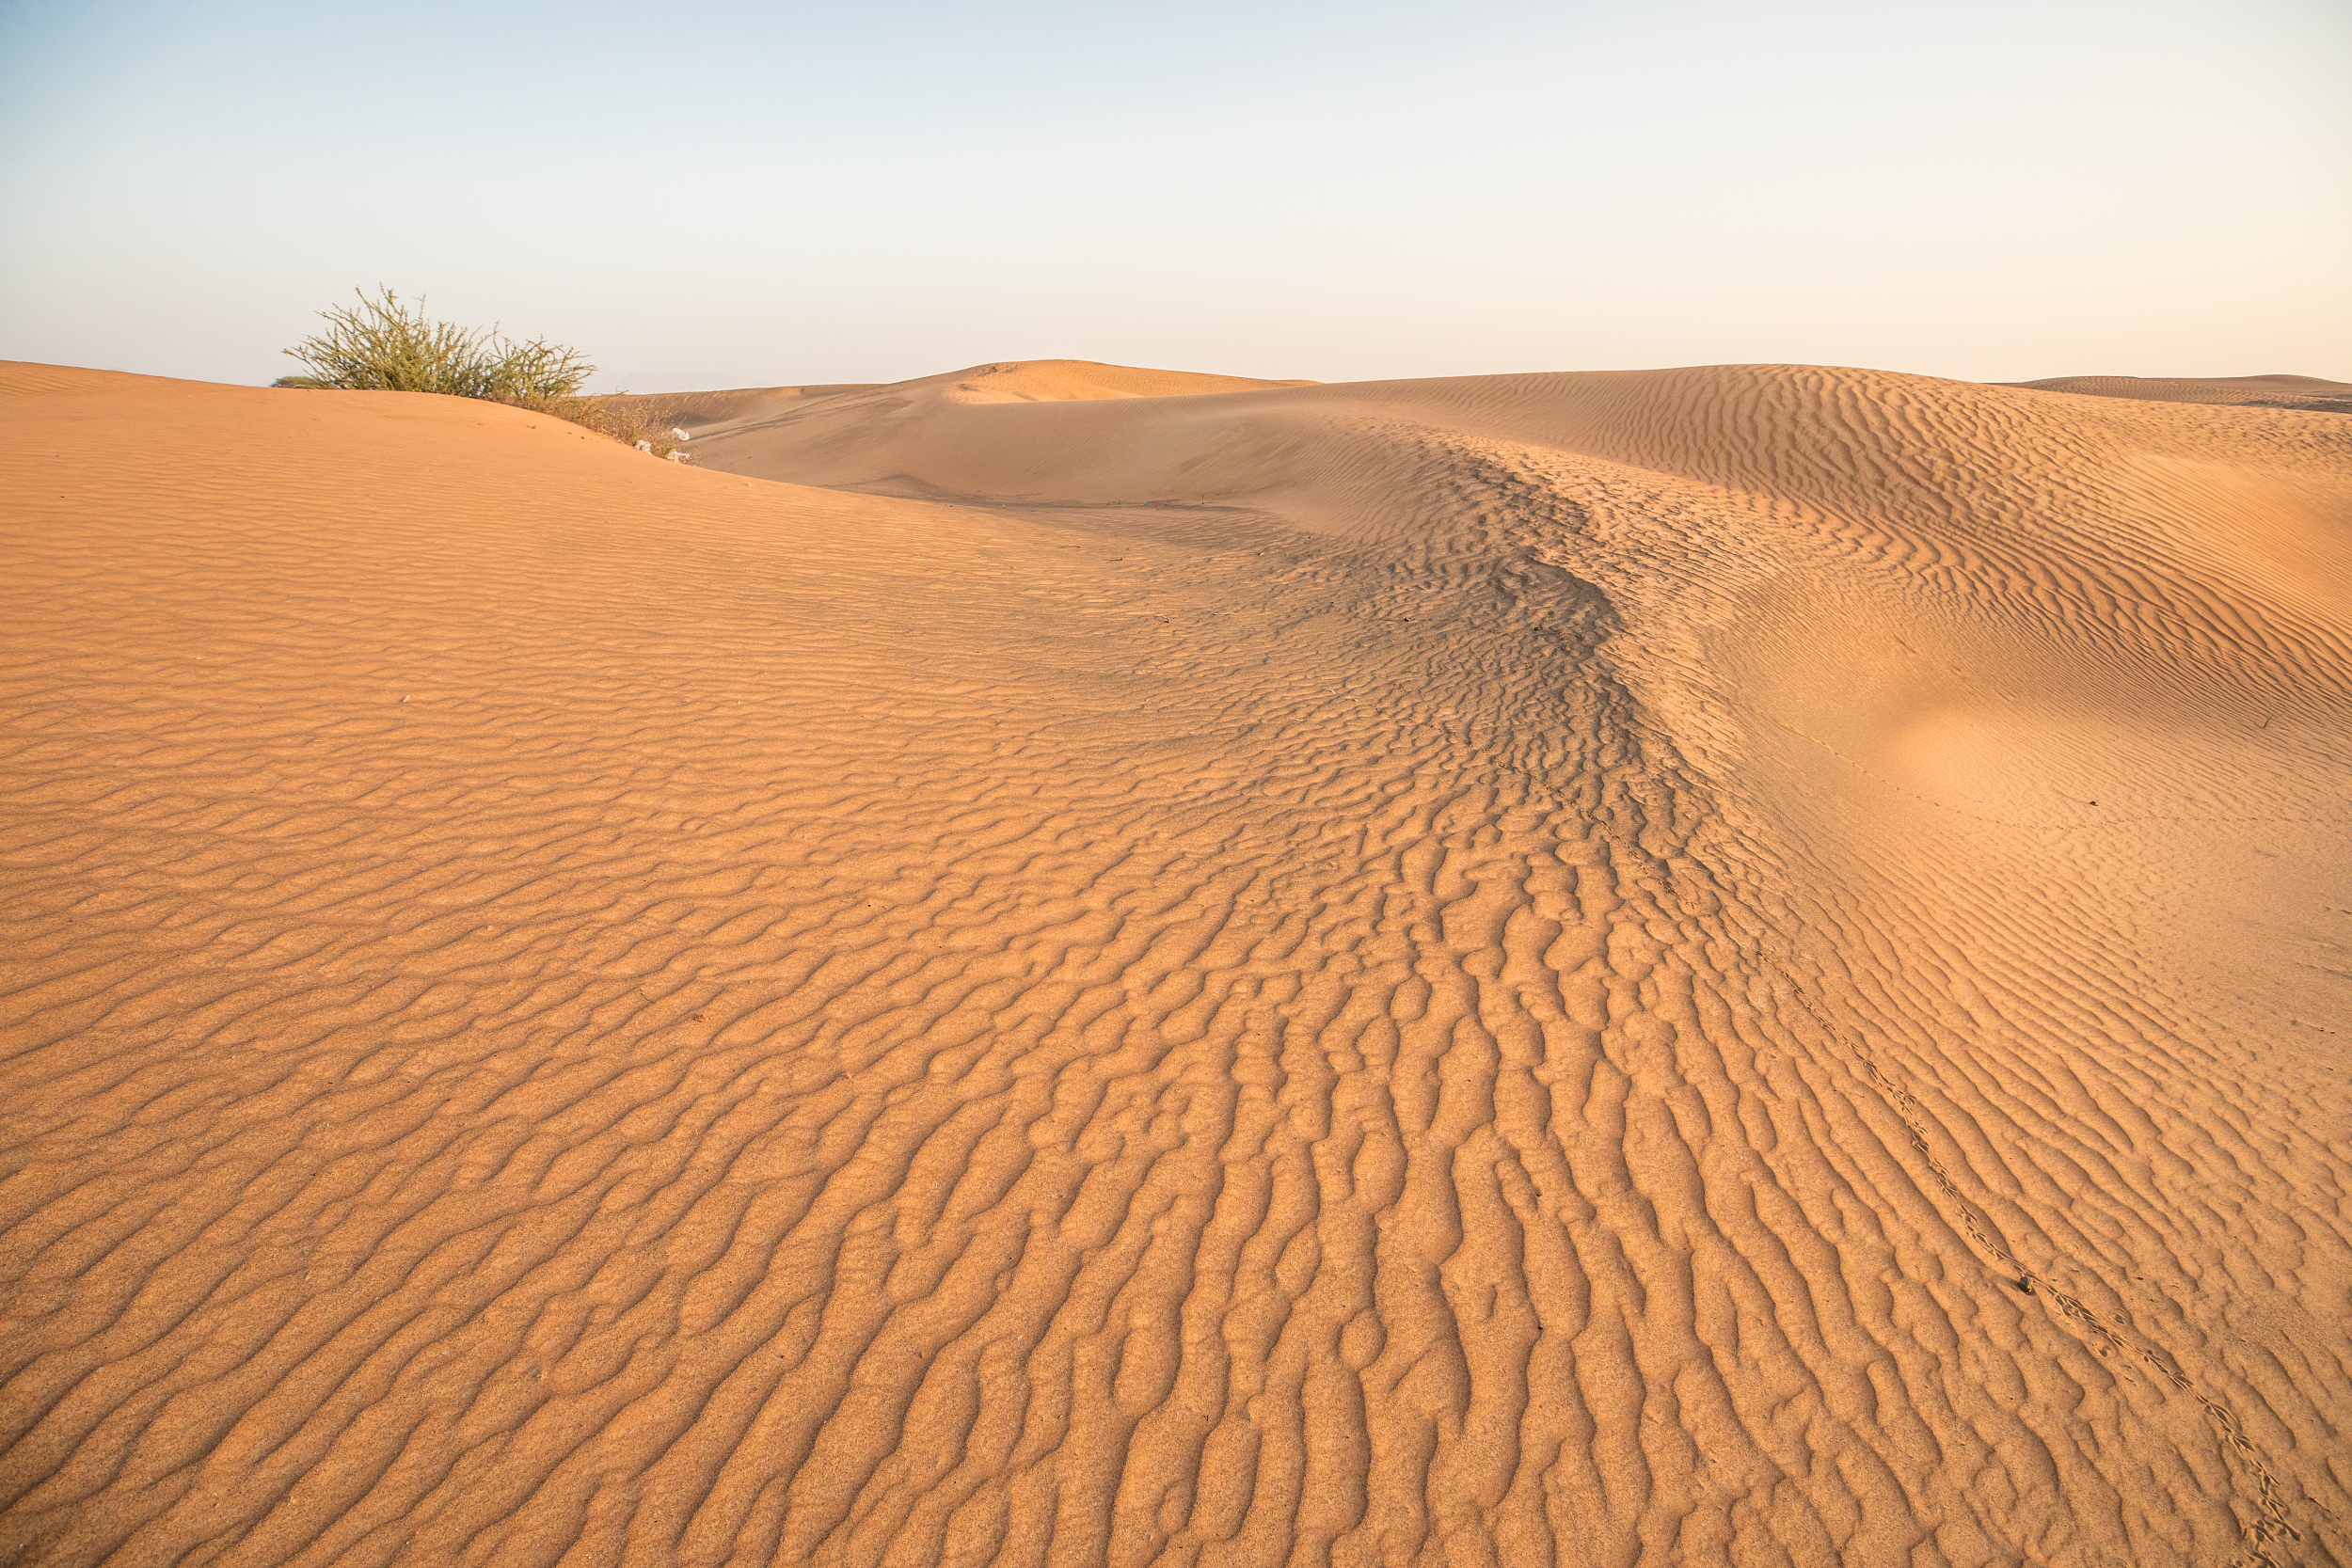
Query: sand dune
point(2270, 391)
point(1067, 965)
point(1046, 381)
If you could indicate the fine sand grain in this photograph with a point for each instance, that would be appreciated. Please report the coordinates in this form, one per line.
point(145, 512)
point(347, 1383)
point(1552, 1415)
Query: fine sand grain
point(1070, 965)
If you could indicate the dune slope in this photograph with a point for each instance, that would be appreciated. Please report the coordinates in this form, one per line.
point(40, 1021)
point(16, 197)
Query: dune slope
point(1076, 966)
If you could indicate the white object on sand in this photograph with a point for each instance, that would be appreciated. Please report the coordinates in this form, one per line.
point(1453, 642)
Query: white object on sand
point(645, 446)
point(681, 457)
point(681, 435)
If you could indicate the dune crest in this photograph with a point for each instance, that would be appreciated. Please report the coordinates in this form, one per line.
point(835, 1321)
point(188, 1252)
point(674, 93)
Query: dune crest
point(1070, 965)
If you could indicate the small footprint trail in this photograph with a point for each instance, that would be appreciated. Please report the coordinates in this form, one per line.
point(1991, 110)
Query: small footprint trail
point(1474, 982)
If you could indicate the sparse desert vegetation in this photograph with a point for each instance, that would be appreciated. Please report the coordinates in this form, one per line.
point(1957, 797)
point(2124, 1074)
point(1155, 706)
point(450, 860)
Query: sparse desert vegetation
point(386, 344)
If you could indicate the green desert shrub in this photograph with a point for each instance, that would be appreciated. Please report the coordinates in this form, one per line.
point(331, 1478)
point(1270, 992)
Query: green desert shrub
point(384, 345)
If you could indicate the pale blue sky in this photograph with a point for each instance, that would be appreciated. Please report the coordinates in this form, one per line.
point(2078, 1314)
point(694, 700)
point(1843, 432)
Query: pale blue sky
point(724, 194)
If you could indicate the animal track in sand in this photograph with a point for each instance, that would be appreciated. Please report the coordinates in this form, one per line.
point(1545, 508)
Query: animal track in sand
point(2274, 1525)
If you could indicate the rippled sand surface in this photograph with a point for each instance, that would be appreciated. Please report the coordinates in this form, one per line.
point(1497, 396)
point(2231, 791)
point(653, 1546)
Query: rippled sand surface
point(1067, 965)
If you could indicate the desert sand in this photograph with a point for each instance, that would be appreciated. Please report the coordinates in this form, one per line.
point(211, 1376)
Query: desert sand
point(1069, 965)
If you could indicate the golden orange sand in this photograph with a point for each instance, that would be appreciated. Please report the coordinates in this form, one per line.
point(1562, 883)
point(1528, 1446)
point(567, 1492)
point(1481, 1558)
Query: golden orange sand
point(1066, 965)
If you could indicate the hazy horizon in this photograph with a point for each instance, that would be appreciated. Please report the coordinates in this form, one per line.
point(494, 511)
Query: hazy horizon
point(797, 193)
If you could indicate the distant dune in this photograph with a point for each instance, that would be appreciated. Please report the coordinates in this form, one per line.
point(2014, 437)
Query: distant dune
point(2266, 391)
point(1069, 965)
point(1051, 380)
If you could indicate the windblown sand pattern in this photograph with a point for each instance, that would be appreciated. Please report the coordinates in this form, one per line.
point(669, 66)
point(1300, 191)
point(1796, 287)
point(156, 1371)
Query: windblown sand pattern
point(1062, 965)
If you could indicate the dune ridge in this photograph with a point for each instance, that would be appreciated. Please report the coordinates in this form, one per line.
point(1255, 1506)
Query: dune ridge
point(2269, 392)
point(1073, 965)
